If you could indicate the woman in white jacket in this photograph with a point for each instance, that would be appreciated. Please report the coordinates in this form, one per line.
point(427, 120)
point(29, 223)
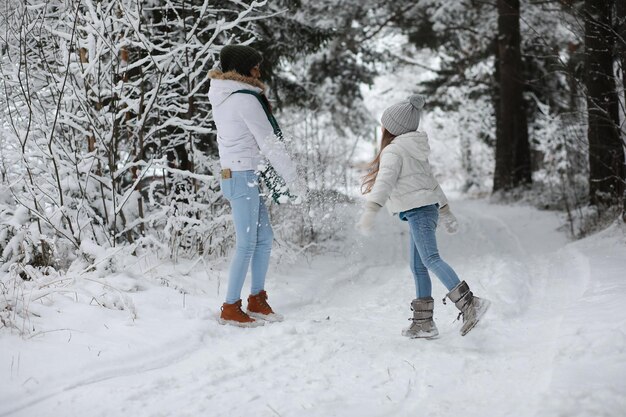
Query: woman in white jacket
point(400, 177)
point(245, 136)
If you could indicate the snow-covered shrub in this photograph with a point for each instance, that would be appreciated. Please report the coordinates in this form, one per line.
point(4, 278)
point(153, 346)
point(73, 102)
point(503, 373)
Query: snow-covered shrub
point(188, 218)
point(561, 174)
point(104, 114)
point(20, 241)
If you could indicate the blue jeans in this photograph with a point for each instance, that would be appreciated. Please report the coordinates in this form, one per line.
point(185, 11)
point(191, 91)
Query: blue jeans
point(253, 231)
point(424, 254)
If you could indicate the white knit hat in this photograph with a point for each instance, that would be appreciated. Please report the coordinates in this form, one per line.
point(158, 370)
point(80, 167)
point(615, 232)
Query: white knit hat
point(404, 117)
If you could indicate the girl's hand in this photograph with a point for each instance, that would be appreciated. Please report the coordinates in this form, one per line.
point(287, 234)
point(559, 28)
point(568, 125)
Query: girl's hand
point(366, 222)
point(448, 220)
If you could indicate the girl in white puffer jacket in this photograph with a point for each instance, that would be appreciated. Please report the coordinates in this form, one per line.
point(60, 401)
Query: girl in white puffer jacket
point(401, 177)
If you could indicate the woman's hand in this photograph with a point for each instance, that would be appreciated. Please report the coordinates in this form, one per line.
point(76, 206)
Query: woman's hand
point(448, 220)
point(366, 222)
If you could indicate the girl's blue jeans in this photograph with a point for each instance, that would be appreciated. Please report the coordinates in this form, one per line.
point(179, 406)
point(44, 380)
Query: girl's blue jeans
point(253, 231)
point(424, 254)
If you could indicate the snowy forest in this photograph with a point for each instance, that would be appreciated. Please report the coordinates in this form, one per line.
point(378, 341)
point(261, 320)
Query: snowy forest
point(116, 237)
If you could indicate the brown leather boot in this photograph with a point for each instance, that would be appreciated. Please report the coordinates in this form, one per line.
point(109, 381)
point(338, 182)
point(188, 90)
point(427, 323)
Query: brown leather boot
point(259, 308)
point(233, 314)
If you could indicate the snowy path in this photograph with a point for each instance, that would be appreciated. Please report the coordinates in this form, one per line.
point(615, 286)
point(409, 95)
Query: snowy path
point(553, 343)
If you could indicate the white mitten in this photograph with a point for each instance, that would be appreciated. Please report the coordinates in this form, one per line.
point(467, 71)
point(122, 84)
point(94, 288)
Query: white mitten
point(366, 222)
point(448, 220)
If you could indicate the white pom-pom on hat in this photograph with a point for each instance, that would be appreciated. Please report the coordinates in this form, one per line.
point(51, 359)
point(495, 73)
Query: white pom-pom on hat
point(417, 101)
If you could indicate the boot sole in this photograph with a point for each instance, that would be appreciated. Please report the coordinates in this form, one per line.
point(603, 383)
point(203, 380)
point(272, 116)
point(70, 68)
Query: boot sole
point(486, 304)
point(427, 337)
point(424, 337)
point(240, 324)
point(272, 318)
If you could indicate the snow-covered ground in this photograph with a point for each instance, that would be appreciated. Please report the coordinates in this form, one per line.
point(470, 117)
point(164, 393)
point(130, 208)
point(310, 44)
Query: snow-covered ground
point(553, 343)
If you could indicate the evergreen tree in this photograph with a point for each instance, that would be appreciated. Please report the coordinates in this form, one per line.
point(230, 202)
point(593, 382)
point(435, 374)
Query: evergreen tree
point(319, 66)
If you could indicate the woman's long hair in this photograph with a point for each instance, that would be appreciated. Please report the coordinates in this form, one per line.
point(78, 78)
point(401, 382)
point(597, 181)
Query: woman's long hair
point(372, 169)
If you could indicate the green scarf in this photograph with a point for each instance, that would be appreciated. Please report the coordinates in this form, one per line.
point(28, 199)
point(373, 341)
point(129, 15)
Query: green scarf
point(276, 185)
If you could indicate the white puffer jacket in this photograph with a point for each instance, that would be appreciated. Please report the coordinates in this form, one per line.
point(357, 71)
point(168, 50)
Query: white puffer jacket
point(244, 134)
point(405, 180)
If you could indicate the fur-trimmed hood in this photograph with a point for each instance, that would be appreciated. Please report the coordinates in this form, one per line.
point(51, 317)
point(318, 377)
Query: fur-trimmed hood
point(223, 84)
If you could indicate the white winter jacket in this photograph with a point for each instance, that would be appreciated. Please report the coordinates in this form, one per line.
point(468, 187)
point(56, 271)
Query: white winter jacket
point(244, 134)
point(405, 180)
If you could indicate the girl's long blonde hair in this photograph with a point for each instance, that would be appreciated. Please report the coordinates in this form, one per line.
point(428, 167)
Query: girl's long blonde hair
point(372, 169)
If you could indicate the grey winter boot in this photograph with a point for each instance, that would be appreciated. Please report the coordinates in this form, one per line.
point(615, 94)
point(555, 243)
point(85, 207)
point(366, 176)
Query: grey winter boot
point(472, 308)
point(423, 325)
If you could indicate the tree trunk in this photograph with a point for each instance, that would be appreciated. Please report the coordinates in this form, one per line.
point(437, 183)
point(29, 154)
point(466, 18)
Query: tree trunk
point(501, 175)
point(512, 146)
point(606, 153)
point(621, 50)
point(621, 39)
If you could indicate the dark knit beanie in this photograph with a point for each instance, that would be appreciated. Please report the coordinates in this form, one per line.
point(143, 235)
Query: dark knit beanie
point(405, 116)
point(239, 58)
